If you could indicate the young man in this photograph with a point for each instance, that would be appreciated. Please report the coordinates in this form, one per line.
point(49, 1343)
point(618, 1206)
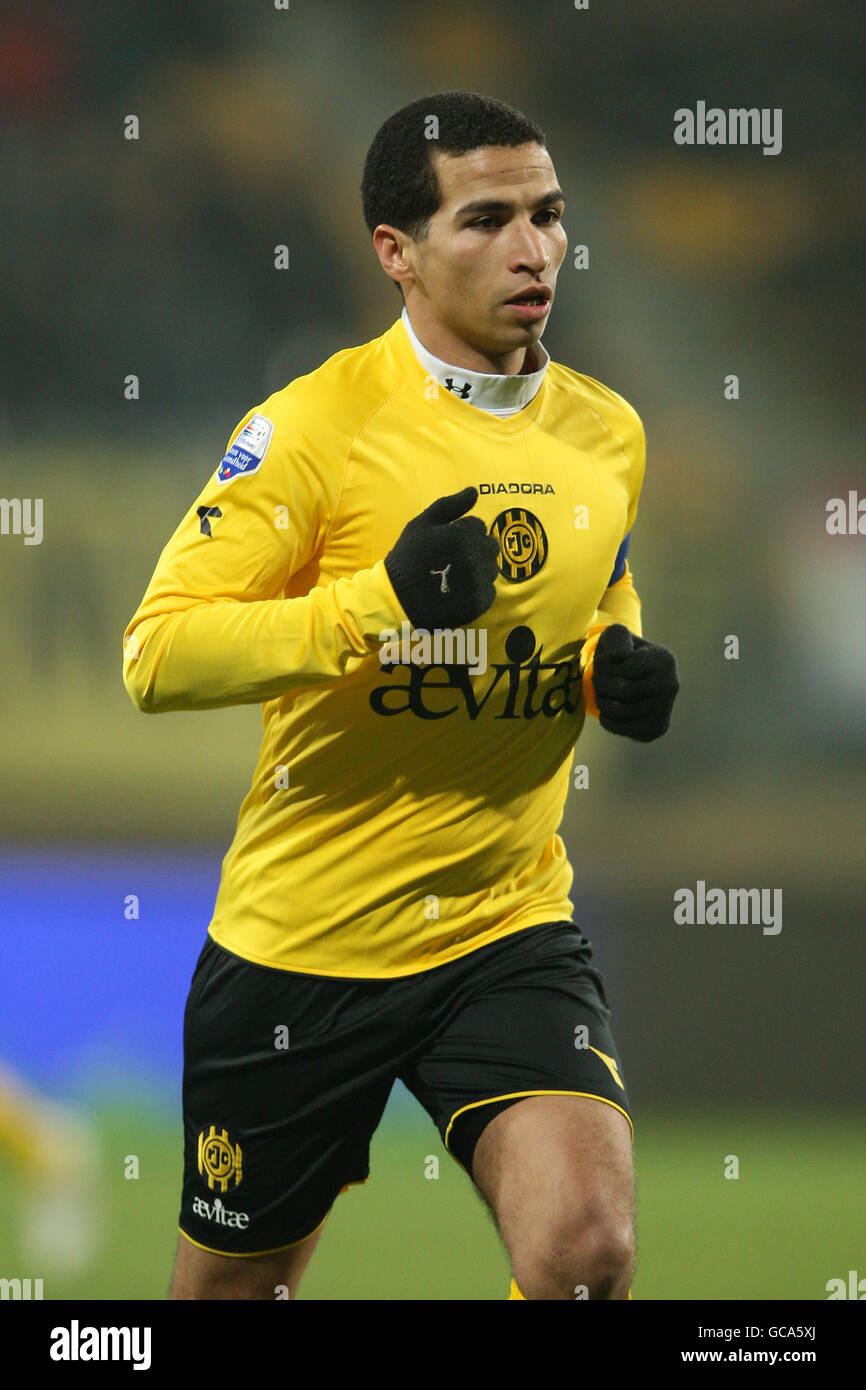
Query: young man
point(395, 900)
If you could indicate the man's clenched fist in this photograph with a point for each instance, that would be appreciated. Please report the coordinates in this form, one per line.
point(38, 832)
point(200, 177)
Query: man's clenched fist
point(443, 566)
point(635, 684)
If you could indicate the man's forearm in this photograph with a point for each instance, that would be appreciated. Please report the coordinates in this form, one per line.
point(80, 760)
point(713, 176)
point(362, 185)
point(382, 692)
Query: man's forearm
point(620, 604)
point(219, 652)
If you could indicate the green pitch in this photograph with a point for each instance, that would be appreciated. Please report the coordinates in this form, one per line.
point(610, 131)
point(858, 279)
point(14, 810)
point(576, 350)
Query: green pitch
point(791, 1220)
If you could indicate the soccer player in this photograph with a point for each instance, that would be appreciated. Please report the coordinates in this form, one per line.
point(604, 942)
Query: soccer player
point(55, 1149)
point(415, 559)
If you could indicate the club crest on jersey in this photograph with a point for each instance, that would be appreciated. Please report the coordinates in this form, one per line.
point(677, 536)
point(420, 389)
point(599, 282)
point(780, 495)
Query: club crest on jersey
point(248, 451)
point(522, 544)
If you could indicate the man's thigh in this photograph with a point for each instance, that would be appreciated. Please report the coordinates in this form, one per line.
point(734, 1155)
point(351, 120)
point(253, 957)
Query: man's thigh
point(524, 1081)
point(202, 1274)
point(553, 1167)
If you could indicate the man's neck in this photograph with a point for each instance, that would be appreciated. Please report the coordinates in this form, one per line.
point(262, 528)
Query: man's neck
point(441, 343)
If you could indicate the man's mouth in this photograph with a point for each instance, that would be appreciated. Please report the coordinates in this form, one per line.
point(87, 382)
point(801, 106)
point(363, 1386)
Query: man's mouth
point(541, 296)
point(532, 305)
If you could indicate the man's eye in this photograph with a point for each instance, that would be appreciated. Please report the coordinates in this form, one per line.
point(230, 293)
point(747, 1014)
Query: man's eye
point(495, 221)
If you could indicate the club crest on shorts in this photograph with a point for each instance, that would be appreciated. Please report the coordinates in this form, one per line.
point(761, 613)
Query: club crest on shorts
point(248, 451)
point(219, 1160)
point(522, 544)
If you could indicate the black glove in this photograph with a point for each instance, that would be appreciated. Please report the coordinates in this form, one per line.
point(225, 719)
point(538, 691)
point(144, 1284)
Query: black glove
point(635, 684)
point(442, 569)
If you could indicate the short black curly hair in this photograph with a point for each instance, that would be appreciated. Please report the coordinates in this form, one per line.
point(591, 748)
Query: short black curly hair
point(399, 185)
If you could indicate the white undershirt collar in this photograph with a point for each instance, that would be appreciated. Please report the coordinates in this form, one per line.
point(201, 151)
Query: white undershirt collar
point(500, 395)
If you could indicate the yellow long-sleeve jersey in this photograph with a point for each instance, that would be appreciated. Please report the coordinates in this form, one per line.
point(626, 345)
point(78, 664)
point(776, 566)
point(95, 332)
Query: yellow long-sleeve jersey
point(402, 813)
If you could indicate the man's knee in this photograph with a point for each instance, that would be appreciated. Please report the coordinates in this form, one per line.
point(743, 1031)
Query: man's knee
point(580, 1253)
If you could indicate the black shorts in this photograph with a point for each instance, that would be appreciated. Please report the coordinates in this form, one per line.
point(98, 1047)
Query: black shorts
point(286, 1075)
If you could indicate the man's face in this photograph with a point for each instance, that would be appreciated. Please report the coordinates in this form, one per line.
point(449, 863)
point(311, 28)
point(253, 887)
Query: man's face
point(497, 233)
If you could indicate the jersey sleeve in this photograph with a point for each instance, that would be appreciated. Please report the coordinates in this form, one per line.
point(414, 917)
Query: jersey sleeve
point(215, 626)
point(620, 602)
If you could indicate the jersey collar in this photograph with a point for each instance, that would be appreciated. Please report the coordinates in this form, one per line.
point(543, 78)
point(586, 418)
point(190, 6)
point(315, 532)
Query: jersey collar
point(499, 395)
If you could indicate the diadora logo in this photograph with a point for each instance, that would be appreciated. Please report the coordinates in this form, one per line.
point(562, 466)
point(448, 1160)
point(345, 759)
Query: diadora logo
point(526, 489)
point(218, 1159)
point(204, 515)
point(610, 1063)
point(522, 544)
point(237, 1220)
point(550, 687)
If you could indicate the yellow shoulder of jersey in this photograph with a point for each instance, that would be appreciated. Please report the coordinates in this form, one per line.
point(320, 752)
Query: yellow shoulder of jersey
point(613, 409)
point(337, 397)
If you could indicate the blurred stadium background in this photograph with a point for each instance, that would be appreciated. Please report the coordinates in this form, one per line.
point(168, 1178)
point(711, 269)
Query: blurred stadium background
point(155, 257)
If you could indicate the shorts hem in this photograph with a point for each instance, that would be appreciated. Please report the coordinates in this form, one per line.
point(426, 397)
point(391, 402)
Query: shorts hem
point(520, 1095)
point(250, 1254)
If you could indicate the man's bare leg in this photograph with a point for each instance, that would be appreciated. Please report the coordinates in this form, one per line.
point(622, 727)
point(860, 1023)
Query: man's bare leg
point(556, 1171)
point(200, 1274)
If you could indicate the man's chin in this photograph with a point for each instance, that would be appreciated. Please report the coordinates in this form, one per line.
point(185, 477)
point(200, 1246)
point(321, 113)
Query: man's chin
point(519, 332)
point(501, 336)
